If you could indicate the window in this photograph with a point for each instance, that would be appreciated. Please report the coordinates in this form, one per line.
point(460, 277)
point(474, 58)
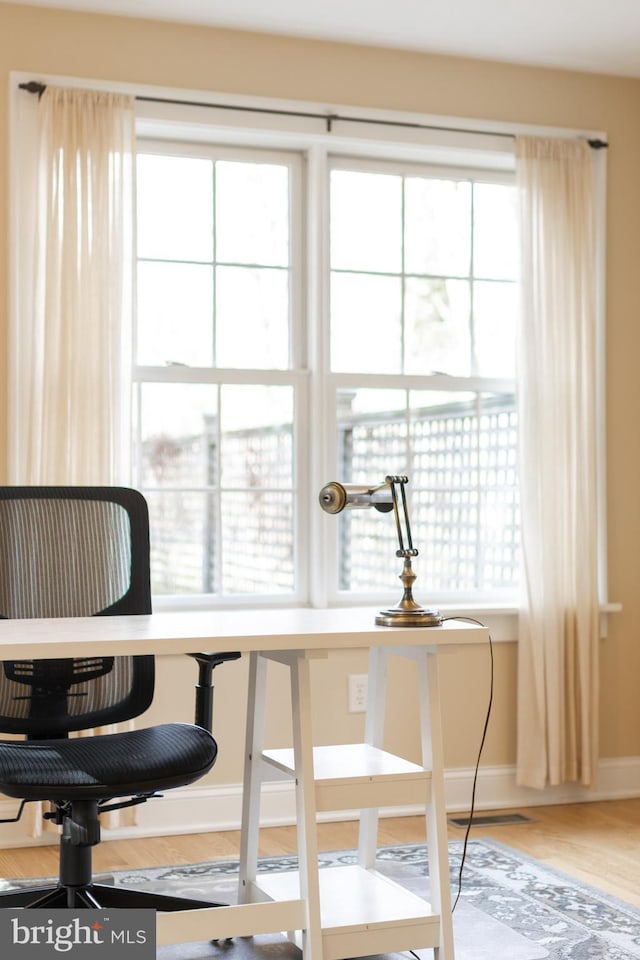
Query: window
point(214, 390)
point(423, 300)
point(278, 348)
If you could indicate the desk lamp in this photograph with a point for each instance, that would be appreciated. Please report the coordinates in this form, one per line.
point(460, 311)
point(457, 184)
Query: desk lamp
point(386, 497)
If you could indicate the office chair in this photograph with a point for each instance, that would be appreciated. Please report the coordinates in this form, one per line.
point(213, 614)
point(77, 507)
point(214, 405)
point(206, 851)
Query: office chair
point(84, 551)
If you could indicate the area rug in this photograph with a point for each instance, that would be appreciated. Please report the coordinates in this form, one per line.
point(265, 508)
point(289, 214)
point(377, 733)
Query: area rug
point(510, 908)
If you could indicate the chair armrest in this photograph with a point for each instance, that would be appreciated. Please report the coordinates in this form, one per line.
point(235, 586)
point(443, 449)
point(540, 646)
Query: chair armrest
point(207, 662)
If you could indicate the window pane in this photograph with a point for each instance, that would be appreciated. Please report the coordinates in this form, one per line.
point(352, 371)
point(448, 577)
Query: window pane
point(257, 437)
point(183, 541)
point(252, 310)
point(257, 543)
point(441, 420)
point(367, 559)
point(175, 314)
point(252, 213)
point(175, 208)
point(257, 514)
point(178, 434)
point(444, 488)
point(437, 226)
point(498, 479)
point(366, 334)
point(459, 451)
point(366, 221)
point(495, 239)
point(438, 336)
point(464, 481)
point(372, 443)
point(494, 311)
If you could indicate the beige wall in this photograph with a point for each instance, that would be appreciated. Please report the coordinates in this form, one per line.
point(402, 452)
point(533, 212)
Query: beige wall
point(110, 48)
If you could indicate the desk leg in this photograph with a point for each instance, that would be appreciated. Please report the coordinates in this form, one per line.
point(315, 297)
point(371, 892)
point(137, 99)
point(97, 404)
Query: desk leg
point(437, 840)
point(252, 778)
point(306, 814)
point(374, 737)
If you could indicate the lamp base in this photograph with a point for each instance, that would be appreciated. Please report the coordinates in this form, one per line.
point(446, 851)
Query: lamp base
point(397, 617)
point(408, 613)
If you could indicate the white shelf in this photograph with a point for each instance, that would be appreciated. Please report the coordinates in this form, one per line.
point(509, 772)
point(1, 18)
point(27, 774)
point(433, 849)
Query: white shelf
point(354, 775)
point(362, 912)
point(352, 911)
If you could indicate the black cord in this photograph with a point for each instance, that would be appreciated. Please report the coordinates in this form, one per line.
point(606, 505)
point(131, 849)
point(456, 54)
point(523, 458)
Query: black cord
point(477, 769)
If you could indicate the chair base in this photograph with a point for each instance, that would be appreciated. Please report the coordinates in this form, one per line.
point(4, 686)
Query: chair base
point(98, 896)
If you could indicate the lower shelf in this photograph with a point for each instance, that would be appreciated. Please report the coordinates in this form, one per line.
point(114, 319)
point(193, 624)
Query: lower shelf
point(362, 912)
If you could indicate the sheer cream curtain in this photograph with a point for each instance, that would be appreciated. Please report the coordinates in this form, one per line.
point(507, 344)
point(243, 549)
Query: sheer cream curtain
point(558, 630)
point(70, 333)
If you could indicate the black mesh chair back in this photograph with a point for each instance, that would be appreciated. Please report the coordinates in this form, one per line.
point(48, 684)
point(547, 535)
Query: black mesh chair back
point(73, 552)
point(84, 552)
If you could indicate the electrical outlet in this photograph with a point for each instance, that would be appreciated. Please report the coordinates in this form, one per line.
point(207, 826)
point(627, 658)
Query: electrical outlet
point(358, 688)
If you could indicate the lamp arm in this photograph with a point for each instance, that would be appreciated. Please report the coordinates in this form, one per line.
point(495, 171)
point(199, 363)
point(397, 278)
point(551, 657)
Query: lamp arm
point(399, 500)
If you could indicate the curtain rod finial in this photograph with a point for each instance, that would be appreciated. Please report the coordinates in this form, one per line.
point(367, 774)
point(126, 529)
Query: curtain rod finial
point(33, 87)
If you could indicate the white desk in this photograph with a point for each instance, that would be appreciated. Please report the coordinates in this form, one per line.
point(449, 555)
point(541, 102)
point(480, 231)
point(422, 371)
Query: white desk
point(385, 919)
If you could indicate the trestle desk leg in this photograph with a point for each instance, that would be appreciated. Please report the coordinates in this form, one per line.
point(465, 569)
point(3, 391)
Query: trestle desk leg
point(437, 840)
point(254, 746)
point(374, 737)
point(306, 814)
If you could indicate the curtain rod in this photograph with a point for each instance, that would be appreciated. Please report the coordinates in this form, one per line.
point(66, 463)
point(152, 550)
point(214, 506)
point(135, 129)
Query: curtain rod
point(33, 86)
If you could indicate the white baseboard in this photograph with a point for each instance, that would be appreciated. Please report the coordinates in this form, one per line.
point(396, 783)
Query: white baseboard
point(200, 809)
point(497, 789)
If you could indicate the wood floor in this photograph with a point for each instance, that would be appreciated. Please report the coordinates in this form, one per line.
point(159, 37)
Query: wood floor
point(598, 843)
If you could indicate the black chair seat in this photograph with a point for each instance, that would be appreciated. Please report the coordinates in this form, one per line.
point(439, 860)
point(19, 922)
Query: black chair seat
point(111, 765)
